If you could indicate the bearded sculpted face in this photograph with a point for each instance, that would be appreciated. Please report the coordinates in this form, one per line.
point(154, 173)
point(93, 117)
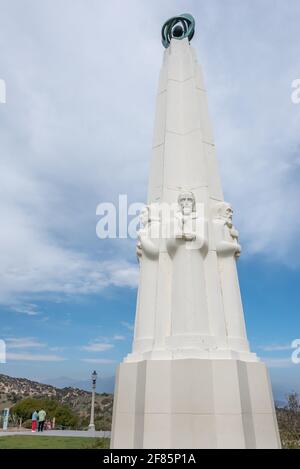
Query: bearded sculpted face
point(225, 212)
point(228, 215)
point(144, 216)
point(186, 201)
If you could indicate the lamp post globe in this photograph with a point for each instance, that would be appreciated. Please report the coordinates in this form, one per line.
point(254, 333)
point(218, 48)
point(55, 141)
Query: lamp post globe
point(94, 380)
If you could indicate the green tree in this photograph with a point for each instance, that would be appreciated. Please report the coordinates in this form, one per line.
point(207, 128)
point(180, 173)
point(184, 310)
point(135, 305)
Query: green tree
point(293, 404)
point(63, 414)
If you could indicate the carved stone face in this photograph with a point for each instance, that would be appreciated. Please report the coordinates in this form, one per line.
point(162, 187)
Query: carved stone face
point(229, 214)
point(186, 201)
point(144, 216)
point(225, 212)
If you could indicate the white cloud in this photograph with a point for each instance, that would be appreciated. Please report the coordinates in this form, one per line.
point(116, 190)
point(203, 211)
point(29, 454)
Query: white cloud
point(23, 342)
point(29, 309)
point(256, 125)
point(275, 347)
point(33, 357)
point(100, 361)
point(77, 131)
point(128, 325)
point(97, 347)
point(57, 349)
point(119, 337)
point(45, 268)
point(278, 362)
point(122, 274)
point(34, 263)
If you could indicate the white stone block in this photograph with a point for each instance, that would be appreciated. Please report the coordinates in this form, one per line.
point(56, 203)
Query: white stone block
point(126, 388)
point(199, 77)
point(192, 387)
point(192, 431)
point(245, 392)
point(214, 300)
point(214, 181)
point(160, 119)
point(180, 62)
point(249, 430)
point(175, 167)
point(197, 71)
point(266, 431)
point(157, 431)
point(230, 431)
point(185, 161)
point(155, 186)
point(260, 388)
point(205, 123)
point(158, 398)
point(123, 431)
point(226, 393)
point(163, 79)
point(191, 403)
point(183, 112)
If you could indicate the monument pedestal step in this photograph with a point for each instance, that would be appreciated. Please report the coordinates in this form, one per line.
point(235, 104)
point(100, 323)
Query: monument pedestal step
point(194, 403)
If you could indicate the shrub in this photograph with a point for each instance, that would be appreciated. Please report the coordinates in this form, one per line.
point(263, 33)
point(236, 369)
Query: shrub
point(27, 424)
point(64, 416)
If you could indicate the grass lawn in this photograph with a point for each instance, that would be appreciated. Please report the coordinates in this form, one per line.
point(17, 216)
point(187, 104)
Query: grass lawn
point(52, 442)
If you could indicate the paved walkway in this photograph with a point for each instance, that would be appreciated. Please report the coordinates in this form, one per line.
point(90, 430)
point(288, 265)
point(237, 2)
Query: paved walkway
point(87, 434)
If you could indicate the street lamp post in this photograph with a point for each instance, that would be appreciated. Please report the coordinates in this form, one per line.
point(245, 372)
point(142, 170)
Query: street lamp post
point(94, 379)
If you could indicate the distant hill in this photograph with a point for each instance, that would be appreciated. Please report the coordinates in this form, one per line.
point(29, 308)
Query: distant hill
point(13, 390)
point(104, 384)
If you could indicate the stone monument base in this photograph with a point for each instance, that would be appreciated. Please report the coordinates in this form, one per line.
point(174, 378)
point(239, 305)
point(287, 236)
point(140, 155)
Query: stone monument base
point(194, 403)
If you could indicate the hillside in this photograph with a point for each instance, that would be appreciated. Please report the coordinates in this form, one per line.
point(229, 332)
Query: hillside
point(13, 390)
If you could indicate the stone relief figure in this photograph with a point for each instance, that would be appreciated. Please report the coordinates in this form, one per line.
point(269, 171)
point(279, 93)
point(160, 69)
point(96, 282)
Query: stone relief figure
point(147, 250)
point(187, 247)
point(145, 244)
point(187, 225)
point(226, 236)
point(185, 217)
point(228, 249)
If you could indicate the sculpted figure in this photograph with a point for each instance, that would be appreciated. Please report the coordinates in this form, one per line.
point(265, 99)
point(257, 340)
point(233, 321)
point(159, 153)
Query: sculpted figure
point(185, 216)
point(146, 245)
point(228, 249)
point(147, 250)
point(187, 247)
point(226, 236)
point(187, 225)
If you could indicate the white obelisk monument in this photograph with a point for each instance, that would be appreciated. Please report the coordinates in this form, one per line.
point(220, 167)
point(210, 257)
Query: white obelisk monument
point(191, 380)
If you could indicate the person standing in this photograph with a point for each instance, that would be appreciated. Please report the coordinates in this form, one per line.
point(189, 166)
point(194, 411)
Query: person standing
point(34, 418)
point(42, 417)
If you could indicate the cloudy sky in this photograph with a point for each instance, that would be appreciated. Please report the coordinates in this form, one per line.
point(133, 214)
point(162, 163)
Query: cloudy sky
point(76, 130)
